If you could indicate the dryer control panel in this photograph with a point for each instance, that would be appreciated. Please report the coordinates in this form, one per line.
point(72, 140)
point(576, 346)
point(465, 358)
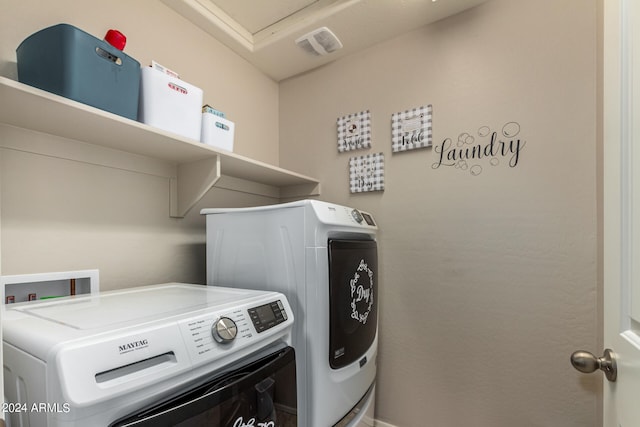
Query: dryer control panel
point(328, 213)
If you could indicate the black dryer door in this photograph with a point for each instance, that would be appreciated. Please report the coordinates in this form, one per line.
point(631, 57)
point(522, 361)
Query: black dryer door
point(353, 300)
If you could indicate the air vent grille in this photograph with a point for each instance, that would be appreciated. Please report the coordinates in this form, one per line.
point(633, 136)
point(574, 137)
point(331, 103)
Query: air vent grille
point(319, 42)
point(307, 47)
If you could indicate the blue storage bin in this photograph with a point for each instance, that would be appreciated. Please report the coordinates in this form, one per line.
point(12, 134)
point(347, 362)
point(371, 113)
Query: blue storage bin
point(69, 62)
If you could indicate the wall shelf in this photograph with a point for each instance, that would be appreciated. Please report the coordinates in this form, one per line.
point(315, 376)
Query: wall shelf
point(193, 167)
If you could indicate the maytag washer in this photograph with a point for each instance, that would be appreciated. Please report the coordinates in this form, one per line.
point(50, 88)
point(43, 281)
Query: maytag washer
point(323, 257)
point(161, 355)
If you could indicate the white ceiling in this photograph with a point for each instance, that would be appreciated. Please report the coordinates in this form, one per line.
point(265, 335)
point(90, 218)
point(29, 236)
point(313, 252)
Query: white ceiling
point(264, 31)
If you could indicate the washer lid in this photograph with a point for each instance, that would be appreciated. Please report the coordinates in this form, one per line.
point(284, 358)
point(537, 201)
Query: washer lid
point(134, 306)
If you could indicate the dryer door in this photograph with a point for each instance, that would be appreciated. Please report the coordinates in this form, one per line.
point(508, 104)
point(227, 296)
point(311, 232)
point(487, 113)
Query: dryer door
point(353, 300)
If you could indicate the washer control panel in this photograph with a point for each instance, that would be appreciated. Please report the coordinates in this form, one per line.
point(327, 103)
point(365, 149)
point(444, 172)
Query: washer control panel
point(212, 334)
point(268, 315)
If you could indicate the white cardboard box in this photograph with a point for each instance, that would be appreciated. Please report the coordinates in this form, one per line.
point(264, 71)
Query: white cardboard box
point(171, 104)
point(217, 131)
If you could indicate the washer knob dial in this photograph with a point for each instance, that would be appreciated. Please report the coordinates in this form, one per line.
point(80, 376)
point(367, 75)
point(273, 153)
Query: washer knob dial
point(224, 330)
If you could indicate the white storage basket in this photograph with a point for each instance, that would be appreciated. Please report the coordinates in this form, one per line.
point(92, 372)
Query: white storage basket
point(171, 104)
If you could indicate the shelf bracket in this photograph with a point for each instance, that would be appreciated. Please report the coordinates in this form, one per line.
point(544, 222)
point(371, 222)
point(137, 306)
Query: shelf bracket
point(193, 181)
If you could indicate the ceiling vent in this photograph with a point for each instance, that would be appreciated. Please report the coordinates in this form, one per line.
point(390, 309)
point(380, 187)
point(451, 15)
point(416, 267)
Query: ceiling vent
point(319, 42)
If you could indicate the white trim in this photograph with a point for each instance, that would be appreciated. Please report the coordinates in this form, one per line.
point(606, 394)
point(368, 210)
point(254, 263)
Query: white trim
point(379, 423)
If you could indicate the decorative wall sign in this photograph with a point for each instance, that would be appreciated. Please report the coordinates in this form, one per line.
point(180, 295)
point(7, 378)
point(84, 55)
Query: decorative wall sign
point(366, 173)
point(471, 151)
point(354, 131)
point(411, 129)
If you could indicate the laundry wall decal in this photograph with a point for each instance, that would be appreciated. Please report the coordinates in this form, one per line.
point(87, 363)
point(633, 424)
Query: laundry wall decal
point(470, 152)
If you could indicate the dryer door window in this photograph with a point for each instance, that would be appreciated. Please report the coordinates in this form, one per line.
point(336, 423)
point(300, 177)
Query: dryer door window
point(353, 300)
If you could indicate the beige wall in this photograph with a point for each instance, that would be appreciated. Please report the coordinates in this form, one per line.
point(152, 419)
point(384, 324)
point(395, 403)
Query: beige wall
point(489, 282)
point(59, 214)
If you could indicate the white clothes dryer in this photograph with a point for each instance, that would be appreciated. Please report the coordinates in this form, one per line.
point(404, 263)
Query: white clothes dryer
point(161, 355)
point(323, 257)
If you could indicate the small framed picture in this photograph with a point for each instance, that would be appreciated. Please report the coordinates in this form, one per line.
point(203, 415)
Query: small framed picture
point(366, 173)
point(411, 129)
point(354, 131)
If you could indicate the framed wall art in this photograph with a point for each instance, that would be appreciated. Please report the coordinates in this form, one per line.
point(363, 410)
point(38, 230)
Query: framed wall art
point(354, 131)
point(411, 129)
point(366, 173)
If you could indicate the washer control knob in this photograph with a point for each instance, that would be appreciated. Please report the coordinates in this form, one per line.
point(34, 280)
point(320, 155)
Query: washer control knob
point(224, 330)
point(357, 216)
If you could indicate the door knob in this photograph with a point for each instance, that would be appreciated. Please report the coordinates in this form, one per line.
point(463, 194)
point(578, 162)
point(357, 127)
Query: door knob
point(586, 362)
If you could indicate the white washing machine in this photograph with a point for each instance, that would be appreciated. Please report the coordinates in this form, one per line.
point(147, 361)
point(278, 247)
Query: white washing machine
point(162, 355)
point(323, 257)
